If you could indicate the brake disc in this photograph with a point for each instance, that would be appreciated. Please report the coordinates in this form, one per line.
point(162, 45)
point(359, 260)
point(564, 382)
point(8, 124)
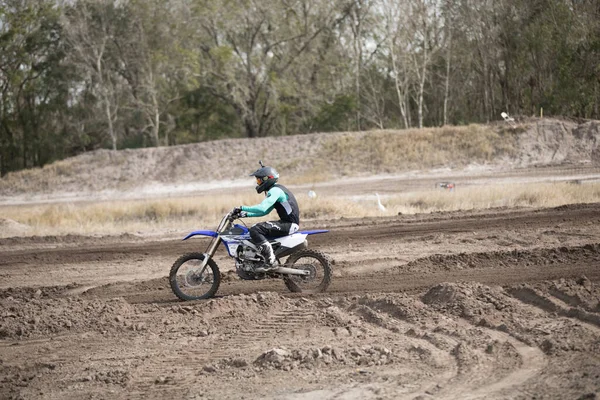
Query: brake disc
point(193, 278)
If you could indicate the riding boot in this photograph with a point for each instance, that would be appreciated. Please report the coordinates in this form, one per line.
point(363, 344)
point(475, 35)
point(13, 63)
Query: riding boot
point(267, 252)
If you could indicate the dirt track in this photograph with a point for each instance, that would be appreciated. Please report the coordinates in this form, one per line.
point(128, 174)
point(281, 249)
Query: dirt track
point(494, 304)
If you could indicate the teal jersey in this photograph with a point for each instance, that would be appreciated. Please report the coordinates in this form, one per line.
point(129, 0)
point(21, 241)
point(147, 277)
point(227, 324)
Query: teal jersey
point(274, 195)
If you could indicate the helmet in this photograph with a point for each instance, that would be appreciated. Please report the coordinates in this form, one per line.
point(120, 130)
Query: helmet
point(265, 178)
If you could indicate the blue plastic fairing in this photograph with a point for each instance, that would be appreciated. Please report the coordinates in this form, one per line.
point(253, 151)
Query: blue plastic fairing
point(313, 232)
point(201, 233)
point(242, 227)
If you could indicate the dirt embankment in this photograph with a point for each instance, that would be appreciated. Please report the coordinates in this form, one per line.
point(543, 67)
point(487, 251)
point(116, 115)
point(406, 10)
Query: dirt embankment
point(314, 157)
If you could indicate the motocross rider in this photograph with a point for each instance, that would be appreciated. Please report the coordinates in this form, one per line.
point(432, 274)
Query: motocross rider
point(281, 199)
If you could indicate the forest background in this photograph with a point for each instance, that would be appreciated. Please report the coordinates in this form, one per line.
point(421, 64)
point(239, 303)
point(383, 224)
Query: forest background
point(78, 75)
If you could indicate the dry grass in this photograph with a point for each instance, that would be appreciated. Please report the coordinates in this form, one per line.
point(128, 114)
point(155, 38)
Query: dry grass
point(318, 172)
point(541, 195)
point(123, 216)
point(389, 151)
point(187, 213)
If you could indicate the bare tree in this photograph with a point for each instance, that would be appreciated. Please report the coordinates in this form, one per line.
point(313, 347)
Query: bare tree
point(374, 92)
point(89, 28)
point(426, 28)
point(155, 61)
point(359, 22)
point(476, 19)
point(449, 19)
point(249, 51)
point(447, 81)
point(398, 45)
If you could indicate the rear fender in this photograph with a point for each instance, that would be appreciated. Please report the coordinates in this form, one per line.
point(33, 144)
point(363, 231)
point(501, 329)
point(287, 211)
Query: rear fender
point(314, 232)
point(292, 240)
point(293, 243)
point(297, 238)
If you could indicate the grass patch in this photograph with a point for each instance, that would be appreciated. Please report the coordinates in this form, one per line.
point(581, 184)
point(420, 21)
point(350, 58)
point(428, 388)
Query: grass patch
point(492, 196)
point(389, 151)
point(124, 216)
point(318, 172)
point(188, 213)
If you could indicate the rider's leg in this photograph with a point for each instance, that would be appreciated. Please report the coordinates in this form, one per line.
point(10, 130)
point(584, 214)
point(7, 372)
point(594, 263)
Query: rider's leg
point(267, 250)
point(258, 233)
point(262, 230)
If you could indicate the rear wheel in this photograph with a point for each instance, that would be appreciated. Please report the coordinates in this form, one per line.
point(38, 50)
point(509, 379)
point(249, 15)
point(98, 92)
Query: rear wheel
point(319, 266)
point(189, 281)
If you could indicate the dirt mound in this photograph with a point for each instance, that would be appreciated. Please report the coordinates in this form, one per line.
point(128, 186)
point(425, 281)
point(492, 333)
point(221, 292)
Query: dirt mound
point(551, 141)
point(588, 135)
point(24, 294)
point(503, 259)
point(311, 358)
point(64, 240)
point(10, 227)
point(469, 300)
point(204, 165)
point(31, 313)
point(35, 317)
point(518, 309)
point(502, 354)
point(191, 166)
point(578, 293)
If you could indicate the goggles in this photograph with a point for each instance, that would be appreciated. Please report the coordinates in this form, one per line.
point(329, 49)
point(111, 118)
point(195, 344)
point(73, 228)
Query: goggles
point(258, 180)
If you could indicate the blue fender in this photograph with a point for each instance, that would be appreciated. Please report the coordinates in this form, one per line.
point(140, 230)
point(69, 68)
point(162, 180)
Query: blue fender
point(201, 233)
point(314, 232)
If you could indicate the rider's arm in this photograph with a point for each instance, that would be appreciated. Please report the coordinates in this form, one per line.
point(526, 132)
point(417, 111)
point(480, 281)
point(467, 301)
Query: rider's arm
point(266, 206)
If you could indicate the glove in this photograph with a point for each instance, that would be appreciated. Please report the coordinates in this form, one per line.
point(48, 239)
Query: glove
point(238, 213)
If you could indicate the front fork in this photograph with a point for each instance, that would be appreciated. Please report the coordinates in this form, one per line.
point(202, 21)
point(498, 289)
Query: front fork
point(210, 252)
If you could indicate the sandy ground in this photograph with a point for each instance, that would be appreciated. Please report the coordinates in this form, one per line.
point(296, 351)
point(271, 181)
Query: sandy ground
point(497, 304)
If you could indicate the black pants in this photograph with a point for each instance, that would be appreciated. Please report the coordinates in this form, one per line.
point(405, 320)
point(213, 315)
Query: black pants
point(270, 229)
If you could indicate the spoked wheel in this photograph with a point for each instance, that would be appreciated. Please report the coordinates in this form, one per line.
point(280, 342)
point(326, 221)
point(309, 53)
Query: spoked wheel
point(189, 281)
point(319, 266)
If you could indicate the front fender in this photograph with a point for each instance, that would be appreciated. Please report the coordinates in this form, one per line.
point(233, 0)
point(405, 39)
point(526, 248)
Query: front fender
point(201, 233)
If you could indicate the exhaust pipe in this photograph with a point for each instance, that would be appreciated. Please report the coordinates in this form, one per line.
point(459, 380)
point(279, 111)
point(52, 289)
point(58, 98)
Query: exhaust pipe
point(285, 271)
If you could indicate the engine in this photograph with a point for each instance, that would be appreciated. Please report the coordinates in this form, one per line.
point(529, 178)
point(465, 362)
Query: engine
point(247, 259)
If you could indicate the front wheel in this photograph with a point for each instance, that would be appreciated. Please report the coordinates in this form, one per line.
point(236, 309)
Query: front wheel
point(319, 266)
point(189, 281)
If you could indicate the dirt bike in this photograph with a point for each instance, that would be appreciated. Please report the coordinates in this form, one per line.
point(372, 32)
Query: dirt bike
point(196, 276)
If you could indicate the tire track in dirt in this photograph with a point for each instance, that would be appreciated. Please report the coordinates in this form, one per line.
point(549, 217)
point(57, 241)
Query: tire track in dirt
point(21, 267)
point(533, 362)
point(533, 297)
point(157, 290)
point(412, 282)
point(527, 319)
point(386, 313)
point(442, 349)
point(494, 268)
point(464, 385)
point(255, 335)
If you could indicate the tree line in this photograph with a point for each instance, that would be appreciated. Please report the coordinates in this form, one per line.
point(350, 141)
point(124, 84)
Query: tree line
point(77, 75)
